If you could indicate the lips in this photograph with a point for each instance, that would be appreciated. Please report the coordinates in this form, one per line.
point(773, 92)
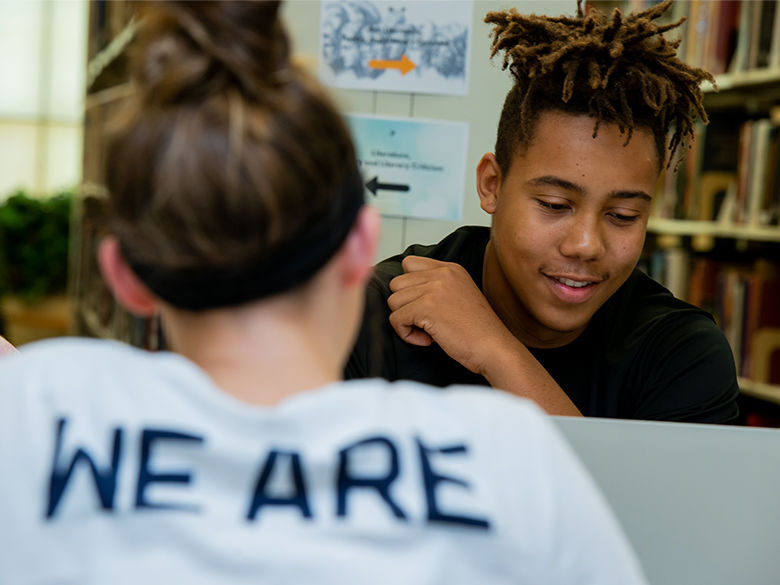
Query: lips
point(572, 288)
point(572, 283)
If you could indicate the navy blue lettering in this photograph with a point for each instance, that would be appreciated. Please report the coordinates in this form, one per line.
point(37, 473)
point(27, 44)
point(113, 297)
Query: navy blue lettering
point(346, 481)
point(431, 479)
point(149, 438)
point(298, 499)
point(105, 480)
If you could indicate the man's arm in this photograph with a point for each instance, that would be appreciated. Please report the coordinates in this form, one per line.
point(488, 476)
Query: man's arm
point(438, 302)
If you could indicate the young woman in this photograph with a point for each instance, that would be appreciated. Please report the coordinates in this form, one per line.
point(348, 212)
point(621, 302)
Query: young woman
point(240, 456)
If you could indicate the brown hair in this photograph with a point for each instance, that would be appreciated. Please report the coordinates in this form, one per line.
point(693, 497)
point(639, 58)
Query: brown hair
point(618, 70)
point(228, 149)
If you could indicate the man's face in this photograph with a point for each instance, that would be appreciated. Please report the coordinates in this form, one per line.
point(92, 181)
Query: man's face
point(568, 227)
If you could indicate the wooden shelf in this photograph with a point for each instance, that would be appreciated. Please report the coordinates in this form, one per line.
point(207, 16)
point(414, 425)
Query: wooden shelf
point(768, 392)
point(684, 227)
point(754, 91)
point(744, 80)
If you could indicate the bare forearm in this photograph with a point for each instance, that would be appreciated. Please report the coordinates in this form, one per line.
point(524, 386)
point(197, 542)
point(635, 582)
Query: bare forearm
point(512, 368)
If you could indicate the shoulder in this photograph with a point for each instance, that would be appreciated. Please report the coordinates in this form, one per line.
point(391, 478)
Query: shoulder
point(69, 356)
point(456, 407)
point(642, 303)
point(61, 357)
point(681, 361)
point(64, 372)
point(645, 317)
point(465, 246)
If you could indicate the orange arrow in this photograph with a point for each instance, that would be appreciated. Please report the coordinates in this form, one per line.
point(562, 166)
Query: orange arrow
point(404, 65)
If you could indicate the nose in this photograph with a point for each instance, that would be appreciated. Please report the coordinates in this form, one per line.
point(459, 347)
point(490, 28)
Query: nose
point(582, 238)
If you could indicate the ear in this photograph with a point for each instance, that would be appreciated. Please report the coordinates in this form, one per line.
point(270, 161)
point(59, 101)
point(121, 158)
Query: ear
point(488, 182)
point(359, 250)
point(122, 281)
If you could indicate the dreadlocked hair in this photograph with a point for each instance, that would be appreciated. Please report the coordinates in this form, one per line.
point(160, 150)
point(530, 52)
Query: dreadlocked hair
point(598, 66)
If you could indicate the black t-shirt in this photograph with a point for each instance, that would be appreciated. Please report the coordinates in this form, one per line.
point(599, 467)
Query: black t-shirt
point(644, 355)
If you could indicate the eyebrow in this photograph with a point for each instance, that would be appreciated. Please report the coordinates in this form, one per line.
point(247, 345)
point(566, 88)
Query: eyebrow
point(554, 181)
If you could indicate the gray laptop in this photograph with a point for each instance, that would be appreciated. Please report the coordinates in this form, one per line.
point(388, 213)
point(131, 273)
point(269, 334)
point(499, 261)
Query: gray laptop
point(700, 503)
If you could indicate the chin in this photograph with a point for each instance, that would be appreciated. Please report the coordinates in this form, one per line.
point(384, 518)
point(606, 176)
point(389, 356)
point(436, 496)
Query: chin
point(564, 326)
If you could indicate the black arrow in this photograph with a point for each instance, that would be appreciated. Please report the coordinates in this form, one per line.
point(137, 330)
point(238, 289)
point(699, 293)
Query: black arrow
point(374, 185)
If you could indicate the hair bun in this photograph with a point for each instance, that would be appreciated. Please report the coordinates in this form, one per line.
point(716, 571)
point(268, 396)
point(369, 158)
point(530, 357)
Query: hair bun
point(187, 49)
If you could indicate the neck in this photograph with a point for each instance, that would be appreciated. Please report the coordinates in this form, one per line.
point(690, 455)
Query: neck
point(513, 312)
point(260, 353)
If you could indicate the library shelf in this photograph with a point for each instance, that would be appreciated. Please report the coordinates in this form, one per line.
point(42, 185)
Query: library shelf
point(690, 227)
point(767, 392)
point(750, 79)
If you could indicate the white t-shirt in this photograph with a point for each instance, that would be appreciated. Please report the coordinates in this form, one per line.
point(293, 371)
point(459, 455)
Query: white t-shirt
point(123, 466)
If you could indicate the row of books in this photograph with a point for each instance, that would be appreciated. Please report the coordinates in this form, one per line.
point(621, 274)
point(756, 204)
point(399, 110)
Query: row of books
point(743, 298)
point(731, 36)
point(731, 174)
point(723, 36)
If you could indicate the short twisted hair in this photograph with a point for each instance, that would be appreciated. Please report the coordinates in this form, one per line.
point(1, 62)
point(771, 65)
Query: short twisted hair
point(619, 70)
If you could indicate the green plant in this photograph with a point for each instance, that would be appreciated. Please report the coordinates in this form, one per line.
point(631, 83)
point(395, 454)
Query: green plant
point(34, 235)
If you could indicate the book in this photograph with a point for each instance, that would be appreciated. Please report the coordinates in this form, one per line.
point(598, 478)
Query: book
point(753, 31)
point(725, 36)
point(770, 205)
point(676, 271)
point(733, 311)
point(703, 290)
point(745, 146)
point(739, 61)
point(765, 29)
point(763, 323)
point(758, 170)
point(774, 49)
point(717, 166)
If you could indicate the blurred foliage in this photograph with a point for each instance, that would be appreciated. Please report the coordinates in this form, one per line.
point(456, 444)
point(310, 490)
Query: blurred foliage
point(34, 236)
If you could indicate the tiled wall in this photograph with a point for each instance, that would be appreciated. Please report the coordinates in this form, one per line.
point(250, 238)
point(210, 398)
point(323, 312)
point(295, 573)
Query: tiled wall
point(481, 107)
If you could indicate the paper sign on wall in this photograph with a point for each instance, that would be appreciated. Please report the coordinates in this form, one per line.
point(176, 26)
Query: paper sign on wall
point(412, 168)
point(418, 46)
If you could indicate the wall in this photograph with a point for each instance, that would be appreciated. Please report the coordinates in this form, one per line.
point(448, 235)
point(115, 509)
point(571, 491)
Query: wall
point(488, 85)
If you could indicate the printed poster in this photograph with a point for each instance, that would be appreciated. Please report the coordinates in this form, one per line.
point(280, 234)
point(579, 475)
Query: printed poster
point(409, 46)
point(411, 167)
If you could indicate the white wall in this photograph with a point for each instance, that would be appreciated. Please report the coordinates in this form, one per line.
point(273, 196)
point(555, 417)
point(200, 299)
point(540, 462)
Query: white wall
point(481, 107)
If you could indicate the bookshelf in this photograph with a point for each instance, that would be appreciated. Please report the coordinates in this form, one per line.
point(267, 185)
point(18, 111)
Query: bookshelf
point(112, 26)
point(714, 236)
point(714, 229)
point(760, 390)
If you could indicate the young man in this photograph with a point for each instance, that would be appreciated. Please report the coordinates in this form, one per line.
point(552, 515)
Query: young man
point(547, 302)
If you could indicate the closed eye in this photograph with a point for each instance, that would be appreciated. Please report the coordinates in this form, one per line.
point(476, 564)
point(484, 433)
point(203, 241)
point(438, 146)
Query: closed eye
point(553, 206)
point(624, 219)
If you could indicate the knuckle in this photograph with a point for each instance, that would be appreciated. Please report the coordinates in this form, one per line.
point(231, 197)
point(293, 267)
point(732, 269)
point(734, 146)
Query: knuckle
point(393, 302)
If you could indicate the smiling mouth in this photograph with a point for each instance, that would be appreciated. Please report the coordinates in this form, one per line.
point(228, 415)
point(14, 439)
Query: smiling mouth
point(573, 283)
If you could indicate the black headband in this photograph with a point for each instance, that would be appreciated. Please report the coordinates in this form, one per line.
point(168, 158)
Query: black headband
point(292, 262)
